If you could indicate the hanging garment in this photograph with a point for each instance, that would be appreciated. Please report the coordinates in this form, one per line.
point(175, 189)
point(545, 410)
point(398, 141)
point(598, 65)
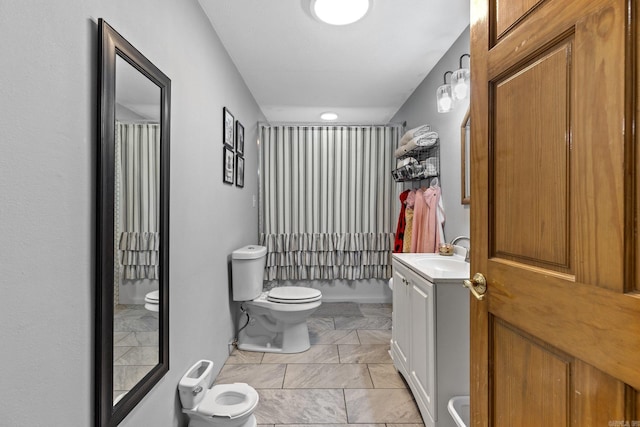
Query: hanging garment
point(435, 235)
point(428, 220)
point(408, 230)
point(408, 218)
point(397, 247)
point(419, 213)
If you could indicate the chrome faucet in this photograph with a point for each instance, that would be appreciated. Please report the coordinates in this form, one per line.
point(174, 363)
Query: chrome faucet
point(455, 240)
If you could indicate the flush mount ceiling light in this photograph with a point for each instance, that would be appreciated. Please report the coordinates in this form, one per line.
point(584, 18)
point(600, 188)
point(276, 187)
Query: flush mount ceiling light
point(339, 12)
point(328, 116)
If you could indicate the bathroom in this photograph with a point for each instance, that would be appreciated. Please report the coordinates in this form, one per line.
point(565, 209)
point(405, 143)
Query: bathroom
point(48, 100)
point(49, 196)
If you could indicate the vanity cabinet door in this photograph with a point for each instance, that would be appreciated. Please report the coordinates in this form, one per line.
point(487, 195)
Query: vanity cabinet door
point(401, 320)
point(422, 296)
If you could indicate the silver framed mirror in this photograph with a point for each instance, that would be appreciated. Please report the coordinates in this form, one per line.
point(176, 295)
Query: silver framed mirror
point(465, 150)
point(132, 227)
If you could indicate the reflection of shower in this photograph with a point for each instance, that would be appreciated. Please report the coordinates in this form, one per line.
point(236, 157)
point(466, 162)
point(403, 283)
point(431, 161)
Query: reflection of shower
point(136, 208)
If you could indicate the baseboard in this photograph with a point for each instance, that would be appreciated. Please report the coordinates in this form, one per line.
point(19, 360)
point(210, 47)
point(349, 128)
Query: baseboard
point(357, 299)
point(373, 291)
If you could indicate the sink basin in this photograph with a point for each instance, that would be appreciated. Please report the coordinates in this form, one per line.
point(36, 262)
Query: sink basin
point(442, 264)
point(436, 267)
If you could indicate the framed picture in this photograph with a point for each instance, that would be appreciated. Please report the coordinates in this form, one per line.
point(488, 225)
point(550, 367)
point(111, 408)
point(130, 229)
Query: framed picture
point(227, 127)
point(239, 138)
point(227, 166)
point(239, 171)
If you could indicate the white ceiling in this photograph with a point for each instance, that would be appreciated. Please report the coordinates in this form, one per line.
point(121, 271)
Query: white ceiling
point(297, 67)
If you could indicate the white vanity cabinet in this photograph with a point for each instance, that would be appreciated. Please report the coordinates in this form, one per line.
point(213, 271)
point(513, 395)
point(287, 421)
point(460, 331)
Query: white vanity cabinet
point(400, 320)
point(430, 336)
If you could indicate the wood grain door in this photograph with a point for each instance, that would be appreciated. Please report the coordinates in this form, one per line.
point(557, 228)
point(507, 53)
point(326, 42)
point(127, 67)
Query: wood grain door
point(556, 341)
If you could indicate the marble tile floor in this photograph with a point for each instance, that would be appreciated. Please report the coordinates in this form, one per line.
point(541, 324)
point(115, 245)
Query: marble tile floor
point(135, 345)
point(345, 378)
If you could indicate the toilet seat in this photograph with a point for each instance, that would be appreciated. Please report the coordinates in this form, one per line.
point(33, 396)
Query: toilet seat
point(152, 297)
point(293, 295)
point(229, 400)
point(288, 301)
point(152, 301)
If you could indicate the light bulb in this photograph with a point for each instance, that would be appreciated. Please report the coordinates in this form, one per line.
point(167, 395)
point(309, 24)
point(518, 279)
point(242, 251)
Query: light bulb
point(460, 82)
point(460, 90)
point(445, 103)
point(444, 98)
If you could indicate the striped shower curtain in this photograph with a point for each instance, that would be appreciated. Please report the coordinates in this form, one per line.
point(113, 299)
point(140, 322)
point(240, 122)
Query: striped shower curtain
point(327, 201)
point(138, 198)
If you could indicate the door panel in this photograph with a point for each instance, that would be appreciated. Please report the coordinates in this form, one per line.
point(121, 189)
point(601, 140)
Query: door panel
point(423, 343)
point(508, 12)
point(530, 381)
point(531, 162)
point(401, 319)
point(599, 398)
point(554, 170)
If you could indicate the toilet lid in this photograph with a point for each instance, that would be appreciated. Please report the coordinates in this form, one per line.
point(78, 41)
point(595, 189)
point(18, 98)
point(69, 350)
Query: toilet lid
point(293, 294)
point(229, 400)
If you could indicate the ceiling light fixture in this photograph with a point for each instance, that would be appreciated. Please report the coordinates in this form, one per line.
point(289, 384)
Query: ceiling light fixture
point(444, 96)
point(339, 12)
point(328, 116)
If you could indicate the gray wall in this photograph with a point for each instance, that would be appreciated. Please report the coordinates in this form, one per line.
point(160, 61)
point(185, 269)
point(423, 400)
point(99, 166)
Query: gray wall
point(419, 109)
point(47, 199)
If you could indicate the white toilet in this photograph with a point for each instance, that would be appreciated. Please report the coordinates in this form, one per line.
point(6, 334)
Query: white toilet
point(276, 320)
point(224, 405)
point(151, 301)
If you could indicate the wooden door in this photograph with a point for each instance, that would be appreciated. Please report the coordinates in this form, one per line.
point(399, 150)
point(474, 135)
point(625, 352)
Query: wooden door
point(556, 341)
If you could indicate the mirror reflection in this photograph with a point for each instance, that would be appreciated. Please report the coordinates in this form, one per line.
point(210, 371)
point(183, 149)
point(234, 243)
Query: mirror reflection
point(137, 239)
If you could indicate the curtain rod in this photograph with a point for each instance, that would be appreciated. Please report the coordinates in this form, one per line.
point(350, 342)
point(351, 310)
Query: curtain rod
point(304, 124)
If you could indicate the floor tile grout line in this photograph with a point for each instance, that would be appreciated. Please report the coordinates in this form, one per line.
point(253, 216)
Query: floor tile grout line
point(346, 407)
point(373, 384)
point(284, 377)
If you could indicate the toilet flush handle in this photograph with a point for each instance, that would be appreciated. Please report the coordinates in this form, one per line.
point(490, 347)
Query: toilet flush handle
point(197, 390)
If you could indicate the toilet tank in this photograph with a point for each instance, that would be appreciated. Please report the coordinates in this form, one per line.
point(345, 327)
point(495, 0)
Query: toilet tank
point(247, 270)
point(195, 383)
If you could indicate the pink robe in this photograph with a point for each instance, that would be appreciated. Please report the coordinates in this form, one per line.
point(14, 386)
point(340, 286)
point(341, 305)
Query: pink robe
point(428, 218)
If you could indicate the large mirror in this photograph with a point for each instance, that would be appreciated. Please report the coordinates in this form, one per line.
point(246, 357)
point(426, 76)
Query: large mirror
point(465, 149)
point(132, 251)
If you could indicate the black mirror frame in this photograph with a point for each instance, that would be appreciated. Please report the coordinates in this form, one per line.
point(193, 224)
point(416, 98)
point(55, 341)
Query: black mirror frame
point(465, 161)
point(112, 44)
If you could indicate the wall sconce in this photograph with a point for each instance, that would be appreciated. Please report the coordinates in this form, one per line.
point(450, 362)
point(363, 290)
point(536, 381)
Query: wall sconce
point(444, 96)
point(461, 80)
